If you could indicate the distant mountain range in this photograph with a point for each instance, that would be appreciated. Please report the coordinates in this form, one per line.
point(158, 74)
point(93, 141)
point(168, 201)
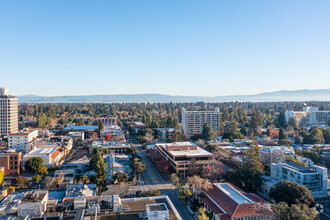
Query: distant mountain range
point(278, 96)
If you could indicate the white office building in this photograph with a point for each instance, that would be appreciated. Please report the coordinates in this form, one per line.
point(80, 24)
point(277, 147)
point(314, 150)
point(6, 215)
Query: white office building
point(308, 117)
point(314, 177)
point(19, 140)
point(193, 121)
point(8, 113)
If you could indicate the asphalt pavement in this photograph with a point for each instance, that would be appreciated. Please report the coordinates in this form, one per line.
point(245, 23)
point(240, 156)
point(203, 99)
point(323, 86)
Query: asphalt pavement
point(154, 180)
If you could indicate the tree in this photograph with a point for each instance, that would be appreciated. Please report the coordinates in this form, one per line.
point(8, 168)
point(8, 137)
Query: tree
point(42, 120)
point(21, 182)
point(97, 164)
point(281, 119)
point(149, 138)
point(197, 183)
point(283, 137)
point(34, 164)
point(326, 135)
point(42, 170)
point(201, 143)
point(315, 137)
point(249, 175)
point(121, 177)
point(131, 150)
point(295, 160)
point(150, 193)
point(78, 142)
point(137, 166)
point(202, 214)
point(176, 181)
point(291, 193)
point(36, 178)
point(294, 212)
point(314, 156)
point(208, 133)
point(185, 194)
point(255, 121)
point(47, 182)
point(275, 156)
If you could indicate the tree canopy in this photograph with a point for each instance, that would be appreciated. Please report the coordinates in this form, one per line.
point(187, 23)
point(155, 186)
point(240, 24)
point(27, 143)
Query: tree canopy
point(291, 193)
point(34, 164)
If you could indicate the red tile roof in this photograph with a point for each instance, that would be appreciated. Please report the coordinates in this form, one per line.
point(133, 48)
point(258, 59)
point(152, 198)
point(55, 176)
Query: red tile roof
point(55, 153)
point(231, 207)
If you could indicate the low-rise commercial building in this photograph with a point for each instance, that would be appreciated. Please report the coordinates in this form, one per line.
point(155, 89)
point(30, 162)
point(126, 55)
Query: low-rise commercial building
point(181, 154)
point(226, 201)
point(50, 156)
point(19, 140)
point(314, 177)
point(24, 204)
point(137, 125)
point(118, 147)
point(10, 160)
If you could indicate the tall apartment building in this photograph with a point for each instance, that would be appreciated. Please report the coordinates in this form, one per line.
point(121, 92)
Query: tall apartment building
point(19, 140)
point(8, 113)
point(309, 117)
point(314, 177)
point(193, 121)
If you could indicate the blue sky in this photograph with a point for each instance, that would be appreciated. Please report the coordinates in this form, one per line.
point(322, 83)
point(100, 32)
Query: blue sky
point(176, 47)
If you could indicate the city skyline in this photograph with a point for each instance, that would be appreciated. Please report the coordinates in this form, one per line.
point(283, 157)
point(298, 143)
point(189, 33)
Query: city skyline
point(175, 48)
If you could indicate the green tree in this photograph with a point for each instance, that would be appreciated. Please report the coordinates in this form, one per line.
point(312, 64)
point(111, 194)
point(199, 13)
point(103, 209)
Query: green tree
point(295, 160)
point(97, 164)
point(249, 175)
point(326, 135)
point(283, 137)
point(294, 212)
point(176, 181)
point(150, 193)
point(137, 166)
point(34, 164)
point(185, 194)
point(121, 177)
point(42, 120)
point(315, 137)
point(36, 178)
point(291, 193)
point(208, 133)
point(314, 156)
point(255, 121)
point(202, 214)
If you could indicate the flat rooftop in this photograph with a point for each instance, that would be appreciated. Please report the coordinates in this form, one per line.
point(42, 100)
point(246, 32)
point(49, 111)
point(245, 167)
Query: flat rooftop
point(233, 193)
point(157, 207)
point(299, 167)
point(198, 152)
point(79, 190)
point(42, 151)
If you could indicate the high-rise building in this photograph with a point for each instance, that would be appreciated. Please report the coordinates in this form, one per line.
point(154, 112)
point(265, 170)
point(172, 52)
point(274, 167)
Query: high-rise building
point(193, 121)
point(309, 117)
point(8, 113)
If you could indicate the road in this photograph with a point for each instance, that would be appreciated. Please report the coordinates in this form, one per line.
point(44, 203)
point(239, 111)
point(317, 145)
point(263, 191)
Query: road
point(154, 180)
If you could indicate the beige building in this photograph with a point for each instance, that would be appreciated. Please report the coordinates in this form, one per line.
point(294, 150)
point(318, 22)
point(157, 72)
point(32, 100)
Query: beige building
point(181, 154)
point(50, 156)
point(193, 121)
point(309, 117)
point(8, 113)
point(19, 140)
